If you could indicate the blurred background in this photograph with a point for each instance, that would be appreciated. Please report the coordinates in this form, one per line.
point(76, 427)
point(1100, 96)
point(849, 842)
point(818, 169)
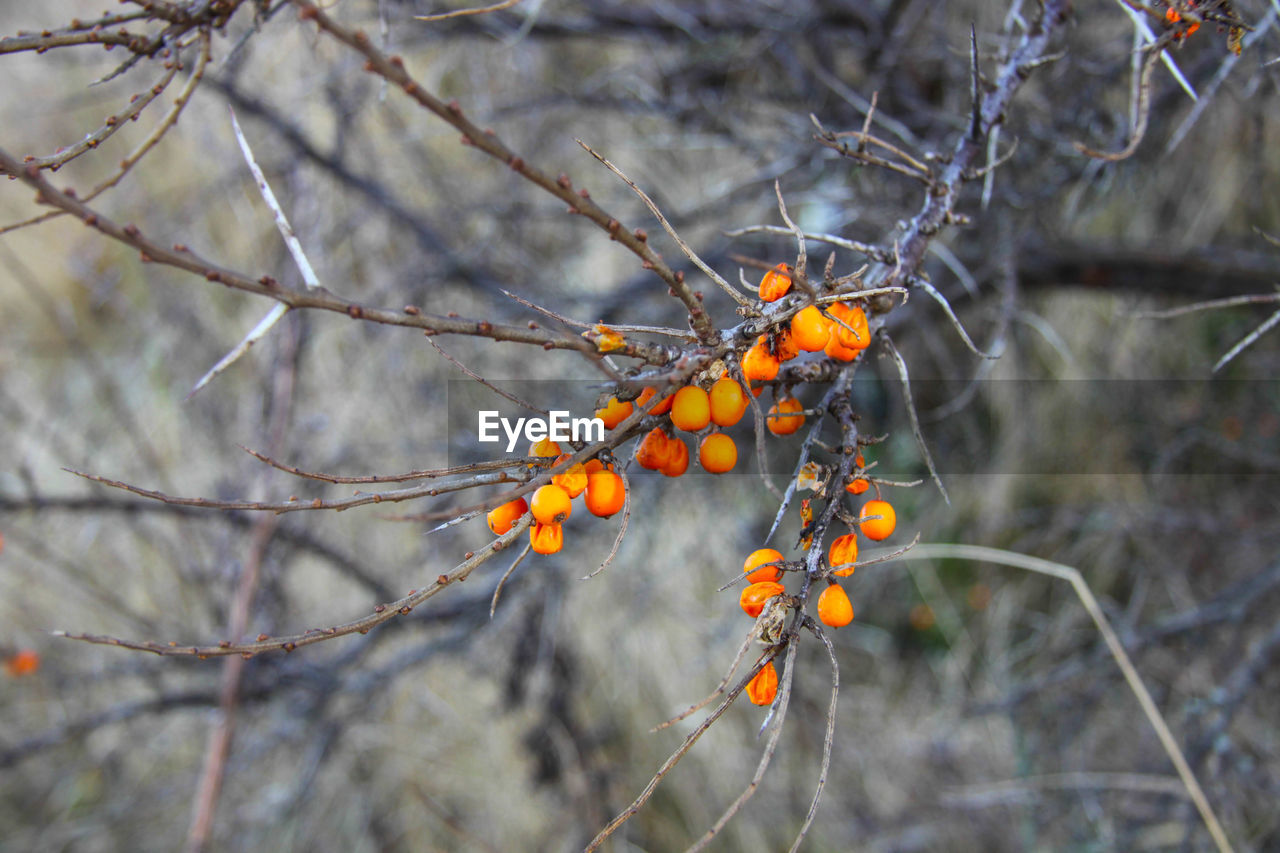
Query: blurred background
point(978, 708)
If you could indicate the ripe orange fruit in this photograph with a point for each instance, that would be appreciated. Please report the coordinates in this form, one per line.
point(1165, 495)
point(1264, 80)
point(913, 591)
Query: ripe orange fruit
point(759, 558)
point(544, 448)
point(857, 486)
point(782, 419)
point(776, 283)
point(844, 549)
point(654, 451)
point(691, 409)
point(546, 538)
point(762, 689)
point(877, 528)
point(574, 479)
point(784, 346)
point(614, 412)
point(551, 504)
point(759, 365)
point(717, 453)
point(836, 350)
point(834, 608)
point(661, 407)
point(678, 460)
point(606, 493)
point(728, 402)
point(810, 330)
point(754, 596)
point(502, 517)
point(855, 333)
point(593, 465)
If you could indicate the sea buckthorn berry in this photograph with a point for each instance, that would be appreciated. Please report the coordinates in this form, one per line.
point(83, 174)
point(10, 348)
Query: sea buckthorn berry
point(717, 453)
point(762, 689)
point(661, 407)
point(834, 608)
point(758, 558)
point(759, 365)
point(678, 461)
point(776, 283)
point(754, 596)
point(22, 662)
point(839, 352)
point(574, 479)
point(591, 466)
point(810, 330)
point(545, 448)
point(877, 528)
point(654, 450)
point(784, 346)
point(502, 517)
point(728, 402)
point(691, 410)
point(855, 334)
point(546, 538)
point(783, 418)
point(857, 486)
point(844, 549)
point(551, 504)
point(606, 493)
point(614, 412)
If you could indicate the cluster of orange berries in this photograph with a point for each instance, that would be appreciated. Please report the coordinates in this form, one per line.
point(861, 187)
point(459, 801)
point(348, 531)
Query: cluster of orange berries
point(553, 503)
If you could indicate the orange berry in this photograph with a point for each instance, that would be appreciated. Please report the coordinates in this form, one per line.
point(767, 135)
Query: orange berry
point(546, 538)
point(544, 448)
point(877, 528)
point(762, 689)
point(843, 550)
point(836, 350)
point(502, 517)
point(754, 596)
point(654, 450)
point(858, 486)
point(810, 330)
point(717, 453)
point(591, 466)
point(784, 346)
point(759, 364)
point(678, 461)
point(775, 283)
point(22, 662)
point(551, 504)
point(758, 558)
point(574, 479)
point(782, 419)
point(854, 334)
point(614, 412)
point(691, 410)
point(661, 407)
point(606, 493)
point(834, 608)
point(728, 402)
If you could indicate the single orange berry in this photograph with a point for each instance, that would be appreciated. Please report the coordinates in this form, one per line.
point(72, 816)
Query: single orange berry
point(691, 410)
point(843, 550)
point(755, 559)
point(838, 351)
point(591, 466)
point(546, 538)
point(854, 334)
point(784, 346)
point(858, 486)
point(834, 608)
point(574, 479)
point(728, 402)
point(544, 448)
point(22, 662)
point(776, 283)
point(717, 453)
point(661, 407)
point(614, 412)
point(877, 528)
point(606, 493)
point(754, 596)
point(762, 689)
point(678, 460)
point(654, 450)
point(502, 517)
point(759, 365)
point(810, 330)
point(783, 418)
point(551, 504)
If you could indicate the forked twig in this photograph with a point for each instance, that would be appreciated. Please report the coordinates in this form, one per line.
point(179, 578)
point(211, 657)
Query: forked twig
point(914, 418)
point(724, 682)
point(497, 591)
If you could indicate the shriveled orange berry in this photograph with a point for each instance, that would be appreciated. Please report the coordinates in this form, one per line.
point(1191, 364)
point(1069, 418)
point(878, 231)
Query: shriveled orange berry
point(593, 465)
point(857, 486)
point(691, 409)
point(614, 412)
point(810, 330)
point(654, 450)
point(758, 558)
point(877, 528)
point(502, 517)
point(717, 453)
point(661, 407)
point(759, 365)
point(855, 334)
point(574, 478)
point(546, 538)
point(783, 346)
point(678, 460)
point(545, 448)
point(783, 418)
point(551, 504)
point(728, 402)
point(754, 596)
point(836, 350)
point(762, 689)
point(844, 549)
point(834, 607)
point(606, 493)
point(776, 283)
